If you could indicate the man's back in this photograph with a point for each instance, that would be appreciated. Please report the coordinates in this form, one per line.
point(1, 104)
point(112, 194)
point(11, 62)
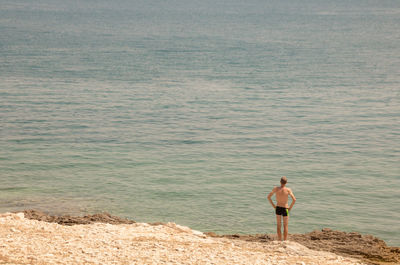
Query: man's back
point(282, 196)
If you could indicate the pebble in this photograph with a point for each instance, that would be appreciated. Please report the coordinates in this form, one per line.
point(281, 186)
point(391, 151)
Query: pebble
point(141, 244)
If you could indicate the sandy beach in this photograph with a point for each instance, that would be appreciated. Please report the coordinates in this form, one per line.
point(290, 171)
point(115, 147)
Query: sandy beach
point(104, 239)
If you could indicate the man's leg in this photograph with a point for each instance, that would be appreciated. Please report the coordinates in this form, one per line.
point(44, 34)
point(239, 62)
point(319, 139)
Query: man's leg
point(278, 227)
point(285, 227)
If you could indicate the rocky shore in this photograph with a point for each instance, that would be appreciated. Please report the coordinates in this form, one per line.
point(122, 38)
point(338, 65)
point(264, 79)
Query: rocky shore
point(367, 248)
point(34, 237)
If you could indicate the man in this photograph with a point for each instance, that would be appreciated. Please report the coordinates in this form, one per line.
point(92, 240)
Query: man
point(281, 208)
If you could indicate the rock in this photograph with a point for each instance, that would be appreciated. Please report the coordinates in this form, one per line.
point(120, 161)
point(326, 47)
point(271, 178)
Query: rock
point(211, 234)
point(367, 247)
point(353, 244)
point(73, 220)
point(20, 216)
point(104, 243)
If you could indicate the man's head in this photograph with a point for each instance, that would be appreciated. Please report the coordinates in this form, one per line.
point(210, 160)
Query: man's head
point(283, 180)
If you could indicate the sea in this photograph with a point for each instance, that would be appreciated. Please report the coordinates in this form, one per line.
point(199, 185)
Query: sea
point(191, 111)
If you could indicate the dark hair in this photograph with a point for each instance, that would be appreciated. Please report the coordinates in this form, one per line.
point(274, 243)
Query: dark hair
point(283, 180)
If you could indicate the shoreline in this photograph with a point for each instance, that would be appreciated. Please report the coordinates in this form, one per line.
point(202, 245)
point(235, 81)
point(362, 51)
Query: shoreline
point(364, 248)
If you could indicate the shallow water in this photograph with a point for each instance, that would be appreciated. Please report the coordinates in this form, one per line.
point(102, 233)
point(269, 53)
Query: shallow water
point(191, 112)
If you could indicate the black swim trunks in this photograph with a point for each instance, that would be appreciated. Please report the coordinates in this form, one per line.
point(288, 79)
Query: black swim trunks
point(281, 211)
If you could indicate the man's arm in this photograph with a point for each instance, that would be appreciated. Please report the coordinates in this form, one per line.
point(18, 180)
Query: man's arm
point(270, 195)
point(293, 199)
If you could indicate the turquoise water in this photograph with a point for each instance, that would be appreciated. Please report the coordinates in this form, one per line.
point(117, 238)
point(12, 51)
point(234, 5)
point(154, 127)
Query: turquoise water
point(191, 111)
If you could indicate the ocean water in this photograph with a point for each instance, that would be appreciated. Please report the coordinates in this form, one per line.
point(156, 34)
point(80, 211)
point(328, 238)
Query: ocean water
point(191, 111)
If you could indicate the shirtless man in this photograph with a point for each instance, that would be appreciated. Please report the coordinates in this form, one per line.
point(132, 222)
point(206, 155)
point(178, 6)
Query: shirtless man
point(282, 207)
